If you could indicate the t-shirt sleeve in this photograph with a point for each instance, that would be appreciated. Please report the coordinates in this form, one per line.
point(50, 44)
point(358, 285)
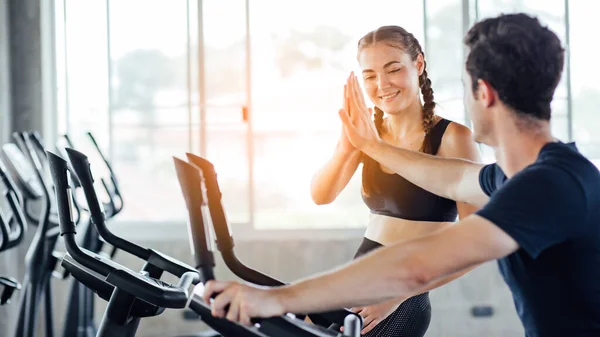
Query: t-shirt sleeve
point(490, 178)
point(539, 207)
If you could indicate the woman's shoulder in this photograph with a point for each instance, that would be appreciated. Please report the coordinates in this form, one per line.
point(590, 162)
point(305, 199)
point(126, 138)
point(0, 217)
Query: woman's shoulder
point(455, 131)
point(456, 140)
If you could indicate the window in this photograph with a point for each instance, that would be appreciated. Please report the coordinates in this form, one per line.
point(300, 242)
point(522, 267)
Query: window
point(258, 94)
point(127, 84)
point(584, 75)
point(82, 74)
point(149, 95)
point(445, 56)
point(225, 94)
point(82, 94)
point(299, 67)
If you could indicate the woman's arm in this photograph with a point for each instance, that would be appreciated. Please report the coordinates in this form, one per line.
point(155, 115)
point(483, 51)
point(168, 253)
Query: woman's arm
point(332, 178)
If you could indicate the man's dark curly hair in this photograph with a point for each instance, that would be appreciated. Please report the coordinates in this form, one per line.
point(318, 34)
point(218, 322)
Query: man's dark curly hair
point(521, 59)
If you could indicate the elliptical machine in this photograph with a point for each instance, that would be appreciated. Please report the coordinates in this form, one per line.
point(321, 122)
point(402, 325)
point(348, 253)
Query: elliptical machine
point(225, 243)
point(130, 295)
point(80, 312)
point(25, 165)
point(13, 226)
point(134, 295)
point(79, 320)
point(194, 192)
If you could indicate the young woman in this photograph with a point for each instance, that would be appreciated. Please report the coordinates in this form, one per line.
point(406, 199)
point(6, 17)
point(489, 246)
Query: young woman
point(395, 78)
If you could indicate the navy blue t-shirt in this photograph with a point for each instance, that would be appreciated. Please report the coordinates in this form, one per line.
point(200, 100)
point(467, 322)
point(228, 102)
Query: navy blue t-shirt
point(552, 210)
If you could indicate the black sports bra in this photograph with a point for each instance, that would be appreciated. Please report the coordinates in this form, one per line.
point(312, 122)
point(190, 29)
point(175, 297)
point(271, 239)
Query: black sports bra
point(394, 196)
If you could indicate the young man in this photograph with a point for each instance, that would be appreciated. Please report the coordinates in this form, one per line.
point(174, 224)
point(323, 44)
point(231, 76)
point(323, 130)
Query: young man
point(540, 215)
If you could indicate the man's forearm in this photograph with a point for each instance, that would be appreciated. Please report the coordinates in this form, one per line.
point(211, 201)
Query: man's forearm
point(402, 269)
point(438, 175)
point(388, 273)
point(441, 282)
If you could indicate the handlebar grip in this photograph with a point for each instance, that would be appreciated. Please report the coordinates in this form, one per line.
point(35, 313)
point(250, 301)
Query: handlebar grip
point(187, 279)
point(213, 192)
point(149, 289)
point(192, 188)
point(82, 168)
point(10, 285)
point(167, 263)
point(352, 326)
point(59, 171)
point(111, 203)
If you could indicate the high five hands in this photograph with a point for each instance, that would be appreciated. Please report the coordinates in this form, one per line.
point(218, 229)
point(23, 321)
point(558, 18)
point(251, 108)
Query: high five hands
point(357, 117)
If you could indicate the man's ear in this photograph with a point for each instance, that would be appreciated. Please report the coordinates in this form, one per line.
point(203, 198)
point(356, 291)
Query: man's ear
point(486, 93)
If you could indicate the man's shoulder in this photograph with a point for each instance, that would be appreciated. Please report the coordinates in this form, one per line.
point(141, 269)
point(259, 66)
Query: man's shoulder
point(564, 159)
point(491, 178)
point(564, 173)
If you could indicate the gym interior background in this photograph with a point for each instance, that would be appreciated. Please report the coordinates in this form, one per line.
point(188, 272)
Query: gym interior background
point(254, 85)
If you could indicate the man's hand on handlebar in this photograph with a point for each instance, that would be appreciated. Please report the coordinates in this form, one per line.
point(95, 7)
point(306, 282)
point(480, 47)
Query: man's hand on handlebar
point(240, 302)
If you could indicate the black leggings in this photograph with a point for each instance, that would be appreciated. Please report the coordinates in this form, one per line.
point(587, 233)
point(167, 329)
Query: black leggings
point(412, 317)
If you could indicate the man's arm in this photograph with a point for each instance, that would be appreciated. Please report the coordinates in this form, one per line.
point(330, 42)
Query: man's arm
point(542, 206)
point(387, 273)
point(402, 269)
point(452, 178)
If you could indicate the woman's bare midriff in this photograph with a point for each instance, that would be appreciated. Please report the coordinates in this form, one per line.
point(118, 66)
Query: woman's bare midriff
point(388, 230)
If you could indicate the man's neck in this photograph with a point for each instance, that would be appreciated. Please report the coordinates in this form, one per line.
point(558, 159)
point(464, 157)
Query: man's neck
point(516, 149)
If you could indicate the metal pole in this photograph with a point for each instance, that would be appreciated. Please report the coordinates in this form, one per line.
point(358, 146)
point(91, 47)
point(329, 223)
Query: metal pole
point(425, 29)
point(110, 93)
point(466, 22)
point(250, 135)
point(201, 80)
point(67, 102)
point(188, 74)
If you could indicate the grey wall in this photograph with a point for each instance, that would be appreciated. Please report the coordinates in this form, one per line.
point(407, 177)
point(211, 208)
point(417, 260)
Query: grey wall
point(21, 102)
point(27, 76)
point(290, 259)
point(25, 64)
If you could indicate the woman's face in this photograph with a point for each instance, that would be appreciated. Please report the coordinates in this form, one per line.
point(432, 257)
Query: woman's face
point(390, 76)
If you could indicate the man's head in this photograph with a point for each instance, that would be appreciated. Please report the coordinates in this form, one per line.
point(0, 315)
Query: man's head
point(514, 63)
